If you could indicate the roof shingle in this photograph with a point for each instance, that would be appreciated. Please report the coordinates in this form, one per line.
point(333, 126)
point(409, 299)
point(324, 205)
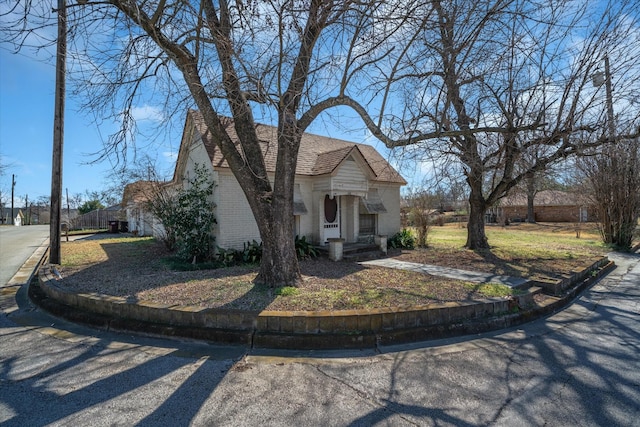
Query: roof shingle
point(318, 155)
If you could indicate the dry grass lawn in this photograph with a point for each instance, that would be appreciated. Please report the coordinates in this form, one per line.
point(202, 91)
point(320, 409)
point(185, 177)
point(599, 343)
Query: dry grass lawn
point(133, 268)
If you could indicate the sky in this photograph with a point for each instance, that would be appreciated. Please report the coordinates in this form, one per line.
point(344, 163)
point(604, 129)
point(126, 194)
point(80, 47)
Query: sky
point(27, 87)
point(26, 133)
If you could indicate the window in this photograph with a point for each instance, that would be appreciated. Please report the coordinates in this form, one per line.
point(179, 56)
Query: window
point(367, 224)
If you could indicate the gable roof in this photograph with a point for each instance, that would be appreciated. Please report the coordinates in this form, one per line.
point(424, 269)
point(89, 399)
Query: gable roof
point(140, 191)
point(318, 155)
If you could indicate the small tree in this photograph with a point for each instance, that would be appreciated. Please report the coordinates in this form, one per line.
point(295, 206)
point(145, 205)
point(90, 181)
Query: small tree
point(90, 206)
point(614, 184)
point(187, 216)
point(421, 205)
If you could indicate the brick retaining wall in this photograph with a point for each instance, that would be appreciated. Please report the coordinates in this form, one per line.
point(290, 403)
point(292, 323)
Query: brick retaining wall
point(300, 330)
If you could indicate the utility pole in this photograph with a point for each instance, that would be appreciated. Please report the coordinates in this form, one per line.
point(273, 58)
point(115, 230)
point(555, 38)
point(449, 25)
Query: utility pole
point(609, 89)
point(599, 80)
point(58, 136)
point(27, 220)
point(13, 187)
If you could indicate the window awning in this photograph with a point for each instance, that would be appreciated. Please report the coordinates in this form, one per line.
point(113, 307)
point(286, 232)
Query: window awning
point(373, 203)
point(299, 207)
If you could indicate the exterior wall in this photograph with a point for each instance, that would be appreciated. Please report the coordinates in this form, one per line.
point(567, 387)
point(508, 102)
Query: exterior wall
point(236, 224)
point(197, 155)
point(348, 178)
point(549, 213)
point(307, 223)
point(134, 218)
point(144, 223)
point(389, 222)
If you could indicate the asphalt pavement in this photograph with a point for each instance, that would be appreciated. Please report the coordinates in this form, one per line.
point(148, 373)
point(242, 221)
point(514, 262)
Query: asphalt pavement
point(580, 366)
point(16, 246)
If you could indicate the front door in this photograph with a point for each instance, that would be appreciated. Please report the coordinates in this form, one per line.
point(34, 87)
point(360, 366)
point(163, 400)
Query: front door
point(331, 225)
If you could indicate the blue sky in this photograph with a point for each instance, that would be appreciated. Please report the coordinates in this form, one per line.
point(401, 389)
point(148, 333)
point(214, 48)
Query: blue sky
point(26, 133)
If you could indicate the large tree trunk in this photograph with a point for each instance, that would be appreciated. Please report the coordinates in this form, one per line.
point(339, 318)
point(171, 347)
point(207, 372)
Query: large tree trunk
point(273, 213)
point(476, 237)
point(531, 194)
point(279, 265)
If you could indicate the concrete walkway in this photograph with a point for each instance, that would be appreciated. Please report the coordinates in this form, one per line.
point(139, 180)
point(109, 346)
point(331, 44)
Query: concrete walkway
point(451, 273)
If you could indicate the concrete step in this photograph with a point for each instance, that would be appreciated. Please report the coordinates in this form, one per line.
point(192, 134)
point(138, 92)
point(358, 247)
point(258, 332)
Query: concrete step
point(363, 256)
point(351, 248)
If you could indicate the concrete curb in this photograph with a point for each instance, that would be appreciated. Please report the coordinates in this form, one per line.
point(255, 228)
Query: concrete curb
point(349, 329)
point(22, 277)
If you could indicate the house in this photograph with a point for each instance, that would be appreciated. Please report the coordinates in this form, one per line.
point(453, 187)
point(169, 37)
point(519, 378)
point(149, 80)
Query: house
point(342, 189)
point(19, 219)
point(548, 206)
point(31, 215)
point(140, 221)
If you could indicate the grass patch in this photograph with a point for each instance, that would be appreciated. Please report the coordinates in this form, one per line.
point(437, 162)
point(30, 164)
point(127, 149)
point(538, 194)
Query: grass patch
point(287, 291)
point(87, 231)
point(493, 289)
point(140, 268)
point(522, 250)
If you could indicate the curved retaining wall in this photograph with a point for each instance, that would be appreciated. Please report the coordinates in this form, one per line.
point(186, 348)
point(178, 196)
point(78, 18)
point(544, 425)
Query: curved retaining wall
point(305, 329)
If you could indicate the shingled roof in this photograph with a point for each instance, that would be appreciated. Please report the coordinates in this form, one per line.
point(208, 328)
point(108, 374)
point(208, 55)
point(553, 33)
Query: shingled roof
point(318, 155)
point(140, 191)
point(547, 198)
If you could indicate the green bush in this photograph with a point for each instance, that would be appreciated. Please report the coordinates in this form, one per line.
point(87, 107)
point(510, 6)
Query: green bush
point(403, 239)
point(228, 257)
point(187, 215)
point(304, 249)
point(252, 252)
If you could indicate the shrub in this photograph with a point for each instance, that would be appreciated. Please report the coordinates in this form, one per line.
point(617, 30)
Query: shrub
point(403, 239)
point(304, 249)
point(228, 257)
point(187, 216)
point(252, 252)
point(194, 218)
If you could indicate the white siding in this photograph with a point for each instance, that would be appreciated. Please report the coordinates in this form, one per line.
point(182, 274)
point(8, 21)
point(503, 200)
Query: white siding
point(236, 224)
point(389, 222)
point(306, 222)
point(349, 177)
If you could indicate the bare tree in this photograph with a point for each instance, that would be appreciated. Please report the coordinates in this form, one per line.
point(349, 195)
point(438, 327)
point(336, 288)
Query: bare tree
point(421, 207)
point(285, 60)
point(483, 81)
point(613, 184)
point(491, 81)
point(534, 182)
point(74, 201)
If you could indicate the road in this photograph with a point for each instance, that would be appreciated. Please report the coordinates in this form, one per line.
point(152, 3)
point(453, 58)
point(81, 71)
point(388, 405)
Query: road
point(580, 366)
point(16, 245)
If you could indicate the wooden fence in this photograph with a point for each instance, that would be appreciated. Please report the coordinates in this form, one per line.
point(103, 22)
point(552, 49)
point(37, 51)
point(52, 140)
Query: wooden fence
point(95, 220)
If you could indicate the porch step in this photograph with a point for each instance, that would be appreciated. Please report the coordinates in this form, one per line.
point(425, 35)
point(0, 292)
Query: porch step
point(354, 251)
point(358, 248)
point(364, 256)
